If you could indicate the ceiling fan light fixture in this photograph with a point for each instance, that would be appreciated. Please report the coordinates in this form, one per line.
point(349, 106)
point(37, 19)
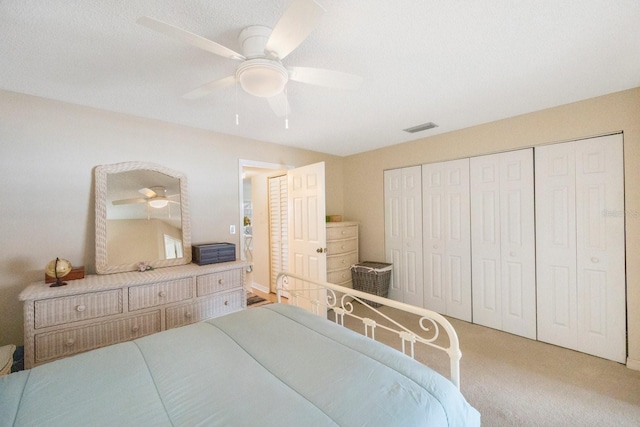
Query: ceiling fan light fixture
point(262, 77)
point(158, 202)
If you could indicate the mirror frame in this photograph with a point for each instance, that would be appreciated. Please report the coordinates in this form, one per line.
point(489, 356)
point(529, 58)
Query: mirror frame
point(101, 173)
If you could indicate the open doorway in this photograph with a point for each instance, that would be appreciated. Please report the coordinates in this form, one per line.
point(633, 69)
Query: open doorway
point(254, 217)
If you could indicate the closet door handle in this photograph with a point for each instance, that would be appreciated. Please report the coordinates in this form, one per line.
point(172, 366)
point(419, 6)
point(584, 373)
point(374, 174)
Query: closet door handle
point(595, 260)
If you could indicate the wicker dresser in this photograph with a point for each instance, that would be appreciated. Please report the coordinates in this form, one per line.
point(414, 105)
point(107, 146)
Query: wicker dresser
point(342, 251)
point(101, 310)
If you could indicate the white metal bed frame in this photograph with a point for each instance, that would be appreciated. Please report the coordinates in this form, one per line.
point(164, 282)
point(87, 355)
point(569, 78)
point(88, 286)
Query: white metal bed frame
point(339, 299)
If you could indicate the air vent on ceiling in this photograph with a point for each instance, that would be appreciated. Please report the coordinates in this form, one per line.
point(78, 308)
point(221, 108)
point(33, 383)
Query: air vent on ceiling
point(421, 127)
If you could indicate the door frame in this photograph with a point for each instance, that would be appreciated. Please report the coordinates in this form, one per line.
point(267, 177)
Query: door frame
point(243, 165)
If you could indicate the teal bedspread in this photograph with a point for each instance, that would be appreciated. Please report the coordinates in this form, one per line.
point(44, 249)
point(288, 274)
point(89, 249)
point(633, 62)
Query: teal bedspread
point(275, 365)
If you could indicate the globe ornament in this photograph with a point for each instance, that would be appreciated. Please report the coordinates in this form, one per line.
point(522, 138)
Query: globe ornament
point(57, 269)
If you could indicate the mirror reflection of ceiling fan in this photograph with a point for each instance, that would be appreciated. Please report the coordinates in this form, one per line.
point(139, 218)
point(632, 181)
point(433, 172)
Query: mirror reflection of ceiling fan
point(155, 197)
point(261, 72)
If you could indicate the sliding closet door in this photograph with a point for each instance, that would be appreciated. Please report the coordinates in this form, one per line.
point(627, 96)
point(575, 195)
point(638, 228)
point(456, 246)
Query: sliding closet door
point(403, 233)
point(580, 245)
point(446, 238)
point(502, 240)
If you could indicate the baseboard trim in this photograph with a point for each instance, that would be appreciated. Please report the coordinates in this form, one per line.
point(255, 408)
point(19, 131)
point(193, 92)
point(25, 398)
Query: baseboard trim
point(259, 287)
point(633, 364)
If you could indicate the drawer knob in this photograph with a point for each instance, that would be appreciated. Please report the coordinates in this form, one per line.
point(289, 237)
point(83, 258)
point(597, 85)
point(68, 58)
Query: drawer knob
point(595, 260)
point(343, 232)
point(80, 308)
point(70, 342)
point(187, 315)
point(220, 281)
point(344, 261)
point(226, 303)
point(162, 294)
point(135, 328)
point(342, 247)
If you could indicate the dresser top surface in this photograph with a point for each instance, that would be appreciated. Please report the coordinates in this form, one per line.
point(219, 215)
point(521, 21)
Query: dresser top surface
point(342, 224)
point(101, 282)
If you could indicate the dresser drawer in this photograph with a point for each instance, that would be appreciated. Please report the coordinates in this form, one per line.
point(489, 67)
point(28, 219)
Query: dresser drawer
point(338, 233)
point(57, 311)
point(208, 284)
point(339, 277)
point(204, 309)
point(342, 246)
point(339, 262)
point(53, 345)
point(160, 293)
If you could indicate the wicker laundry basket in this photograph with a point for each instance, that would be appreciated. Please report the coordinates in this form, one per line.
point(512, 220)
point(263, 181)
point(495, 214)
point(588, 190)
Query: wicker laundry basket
point(372, 277)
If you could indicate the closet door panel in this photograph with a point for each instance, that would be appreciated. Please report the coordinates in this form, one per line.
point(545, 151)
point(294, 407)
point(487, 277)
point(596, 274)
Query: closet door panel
point(581, 246)
point(556, 245)
point(446, 231)
point(517, 243)
point(458, 240)
point(393, 228)
point(503, 242)
point(600, 247)
point(485, 237)
point(434, 245)
point(403, 233)
point(412, 235)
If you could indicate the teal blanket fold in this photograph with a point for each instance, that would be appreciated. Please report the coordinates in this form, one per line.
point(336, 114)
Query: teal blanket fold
point(275, 365)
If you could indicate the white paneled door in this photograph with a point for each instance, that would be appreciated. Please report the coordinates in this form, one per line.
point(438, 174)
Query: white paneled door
point(306, 227)
point(503, 242)
point(446, 238)
point(580, 246)
point(403, 233)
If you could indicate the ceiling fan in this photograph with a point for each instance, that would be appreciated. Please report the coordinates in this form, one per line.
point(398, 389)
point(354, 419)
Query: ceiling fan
point(155, 197)
point(261, 72)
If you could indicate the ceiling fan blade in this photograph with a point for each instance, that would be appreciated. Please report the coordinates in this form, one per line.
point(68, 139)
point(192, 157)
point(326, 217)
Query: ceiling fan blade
point(206, 89)
point(326, 78)
point(128, 201)
point(294, 26)
point(147, 192)
point(189, 38)
point(280, 104)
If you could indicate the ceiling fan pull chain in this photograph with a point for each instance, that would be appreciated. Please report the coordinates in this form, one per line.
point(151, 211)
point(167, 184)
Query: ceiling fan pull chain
point(237, 117)
point(286, 109)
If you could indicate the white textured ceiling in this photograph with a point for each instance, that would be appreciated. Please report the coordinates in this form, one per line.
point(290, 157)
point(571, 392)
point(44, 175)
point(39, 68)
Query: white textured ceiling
point(455, 63)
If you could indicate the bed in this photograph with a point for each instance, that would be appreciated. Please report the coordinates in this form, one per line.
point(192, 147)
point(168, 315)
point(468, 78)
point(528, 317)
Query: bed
point(277, 365)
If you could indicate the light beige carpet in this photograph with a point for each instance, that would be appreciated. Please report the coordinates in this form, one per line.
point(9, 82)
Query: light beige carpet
point(514, 381)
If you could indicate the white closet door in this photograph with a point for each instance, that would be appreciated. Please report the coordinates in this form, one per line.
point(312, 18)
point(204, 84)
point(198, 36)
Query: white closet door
point(278, 226)
point(446, 238)
point(403, 233)
point(517, 244)
point(393, 229)
point(502, 240)
point(593, 320)
point(556, 244)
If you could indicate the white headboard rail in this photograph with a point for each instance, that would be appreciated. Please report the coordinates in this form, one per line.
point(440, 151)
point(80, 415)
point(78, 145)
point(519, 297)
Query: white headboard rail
point(339, 299)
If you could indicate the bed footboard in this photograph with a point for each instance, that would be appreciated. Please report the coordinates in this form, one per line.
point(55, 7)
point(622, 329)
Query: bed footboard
point(319, 297)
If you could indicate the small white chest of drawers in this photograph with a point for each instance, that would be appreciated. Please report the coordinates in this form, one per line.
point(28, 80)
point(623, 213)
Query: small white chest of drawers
point(342, 251)
point(101, 310)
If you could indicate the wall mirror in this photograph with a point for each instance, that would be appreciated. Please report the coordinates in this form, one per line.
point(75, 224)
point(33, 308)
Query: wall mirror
point(142, 216)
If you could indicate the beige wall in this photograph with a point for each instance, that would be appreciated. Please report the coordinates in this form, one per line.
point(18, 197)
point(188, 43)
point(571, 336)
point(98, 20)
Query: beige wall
point(48, 151)
point(363, 174)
